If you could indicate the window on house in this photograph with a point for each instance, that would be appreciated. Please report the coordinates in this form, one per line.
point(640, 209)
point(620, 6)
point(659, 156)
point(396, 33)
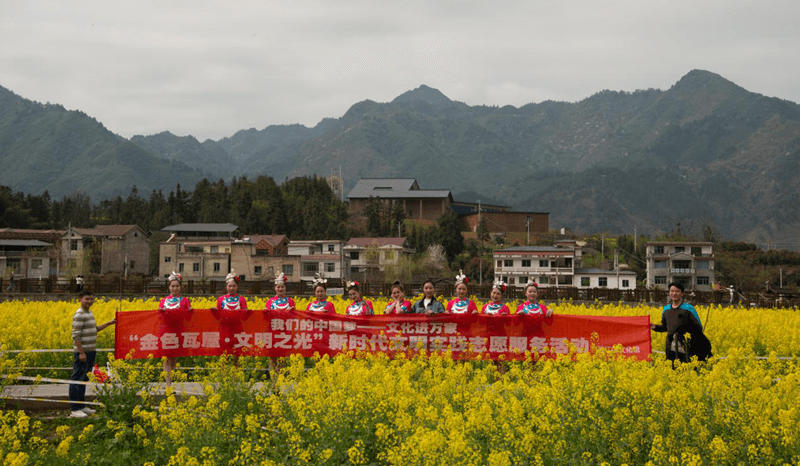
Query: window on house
point(499, 263)
point(133, 265)
point(194, 248)
point(214, 249)
point(658, 249)
point(288, 269)
point(543, 264)
point(680, 249)
point(508, 263)
point(697, 251)
point(703, 265)
point(310, 267)
point(217, 266)
point(702, 280)
point(585, 281)
point(389, 255)
point(167, 259)
point(354, 255)
point(180, 267)
point(660, 264)
point(510, 280)
point(626, 283)
point(526, 262)
point(681, 264)
point(331, 248)
point(257, 270)
point(602, 281)
point(36, 263)
point(330, 267)
point(195, 267)
point(660, 280)
point(271, 270)
point(73, 245)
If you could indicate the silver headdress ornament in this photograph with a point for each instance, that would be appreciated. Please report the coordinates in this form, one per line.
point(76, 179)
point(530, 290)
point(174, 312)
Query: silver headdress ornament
point(461, 278)
point(174, 276)
point(281, 277)
point(318, 280)
point(232, 276)
point(500, 285)
point(532, 283)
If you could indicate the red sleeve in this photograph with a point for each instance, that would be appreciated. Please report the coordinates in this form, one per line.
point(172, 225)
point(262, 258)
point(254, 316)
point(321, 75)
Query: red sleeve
point(186, 305)
point(242, 303)
point(161, 304)
point(472, 307)
point(505, 310)
point(330, 307)
point(291, 304)
point(450, 305)
point(219, 303)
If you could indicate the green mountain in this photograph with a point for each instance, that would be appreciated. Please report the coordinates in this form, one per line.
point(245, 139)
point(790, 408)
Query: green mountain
point(46, 147)
point(704, 153)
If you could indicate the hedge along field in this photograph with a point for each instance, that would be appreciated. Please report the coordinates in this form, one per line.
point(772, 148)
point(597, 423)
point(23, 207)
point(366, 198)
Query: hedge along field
point(366, 409)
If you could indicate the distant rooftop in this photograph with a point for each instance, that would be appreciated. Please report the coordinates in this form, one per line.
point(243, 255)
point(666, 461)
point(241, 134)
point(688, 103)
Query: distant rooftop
point(105, 230)
point(28, 243)
point(202, 228)
point(394, 188)
point(364, 242)
point(533, 249)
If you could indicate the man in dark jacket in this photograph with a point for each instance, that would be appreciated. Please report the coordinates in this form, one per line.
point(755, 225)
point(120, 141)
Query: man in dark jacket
point(678, 319)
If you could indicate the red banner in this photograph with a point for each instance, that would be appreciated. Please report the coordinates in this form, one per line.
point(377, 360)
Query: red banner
point(272, 333)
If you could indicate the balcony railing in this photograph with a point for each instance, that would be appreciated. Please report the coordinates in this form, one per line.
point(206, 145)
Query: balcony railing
point(682, 271)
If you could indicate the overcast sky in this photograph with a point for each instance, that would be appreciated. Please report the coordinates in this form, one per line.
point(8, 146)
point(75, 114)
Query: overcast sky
point(210, 69)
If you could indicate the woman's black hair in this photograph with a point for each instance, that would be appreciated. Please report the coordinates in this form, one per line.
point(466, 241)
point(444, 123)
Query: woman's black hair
point(397, 284)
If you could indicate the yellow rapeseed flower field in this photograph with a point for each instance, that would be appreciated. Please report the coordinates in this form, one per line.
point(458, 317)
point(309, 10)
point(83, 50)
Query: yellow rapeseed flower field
point(370, 409)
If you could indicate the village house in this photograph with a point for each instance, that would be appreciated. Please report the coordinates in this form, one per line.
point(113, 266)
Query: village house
point(30, 253)
point(689, 263)
point(374, 254)
point(262, 257)
point(198, 250)
point(324, 257)
point(417, 204)
point(556, 266)
point(106, 249)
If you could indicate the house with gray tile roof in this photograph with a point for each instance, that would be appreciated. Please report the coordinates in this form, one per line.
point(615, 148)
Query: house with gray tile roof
point(418, 204)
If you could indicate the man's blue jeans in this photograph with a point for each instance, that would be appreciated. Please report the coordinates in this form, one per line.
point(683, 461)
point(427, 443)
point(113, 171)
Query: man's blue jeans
point(80, 369)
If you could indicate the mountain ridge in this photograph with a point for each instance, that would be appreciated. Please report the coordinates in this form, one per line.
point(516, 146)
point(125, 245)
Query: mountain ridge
point(707, 138)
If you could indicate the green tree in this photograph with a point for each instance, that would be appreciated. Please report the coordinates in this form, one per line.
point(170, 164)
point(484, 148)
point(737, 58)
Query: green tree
point(449, 234)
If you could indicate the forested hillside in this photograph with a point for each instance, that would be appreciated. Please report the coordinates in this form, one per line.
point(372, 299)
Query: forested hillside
point(704, 152)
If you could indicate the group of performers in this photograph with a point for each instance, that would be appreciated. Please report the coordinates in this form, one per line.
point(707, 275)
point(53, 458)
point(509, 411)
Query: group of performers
point(359, 306)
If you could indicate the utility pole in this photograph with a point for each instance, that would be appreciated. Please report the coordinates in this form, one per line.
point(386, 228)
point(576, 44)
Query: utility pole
point(528, 230)
point(480, 251)
point(634, 238)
